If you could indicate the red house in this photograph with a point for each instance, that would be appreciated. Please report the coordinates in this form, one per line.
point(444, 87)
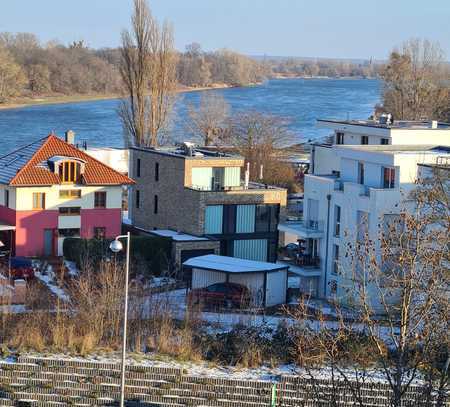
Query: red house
point(50, 190)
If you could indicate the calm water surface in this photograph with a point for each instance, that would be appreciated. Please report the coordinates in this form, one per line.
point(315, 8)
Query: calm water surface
point(301, 100)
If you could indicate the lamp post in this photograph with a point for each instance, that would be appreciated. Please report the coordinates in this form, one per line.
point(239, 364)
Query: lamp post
point(116, 246)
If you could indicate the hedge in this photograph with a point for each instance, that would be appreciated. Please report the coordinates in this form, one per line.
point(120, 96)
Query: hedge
point(151, 254)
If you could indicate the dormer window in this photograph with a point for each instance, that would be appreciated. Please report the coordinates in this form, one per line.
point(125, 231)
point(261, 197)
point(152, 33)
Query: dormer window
point(68, 169)
point(70, 172)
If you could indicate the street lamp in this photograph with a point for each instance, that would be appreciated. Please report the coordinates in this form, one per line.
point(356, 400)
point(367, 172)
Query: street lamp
point(116, 246)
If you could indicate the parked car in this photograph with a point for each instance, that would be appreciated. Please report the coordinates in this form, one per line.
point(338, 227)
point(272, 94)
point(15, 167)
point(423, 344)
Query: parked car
point(230, 295)
point(21, 268)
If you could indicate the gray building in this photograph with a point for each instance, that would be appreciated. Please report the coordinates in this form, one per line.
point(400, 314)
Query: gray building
point(202, 193)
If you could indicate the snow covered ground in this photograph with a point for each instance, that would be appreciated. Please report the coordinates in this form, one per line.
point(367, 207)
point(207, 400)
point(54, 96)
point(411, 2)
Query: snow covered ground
point(48, 278)
point(210, 370)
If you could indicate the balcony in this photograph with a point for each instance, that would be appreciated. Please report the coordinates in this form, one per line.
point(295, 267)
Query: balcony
point(309, 229)
point(304, 265)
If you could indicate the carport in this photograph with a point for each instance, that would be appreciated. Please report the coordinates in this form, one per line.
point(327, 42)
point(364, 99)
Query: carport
point(267, 282)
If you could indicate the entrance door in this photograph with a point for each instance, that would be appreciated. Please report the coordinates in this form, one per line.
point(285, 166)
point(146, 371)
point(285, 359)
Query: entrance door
point(48, 242)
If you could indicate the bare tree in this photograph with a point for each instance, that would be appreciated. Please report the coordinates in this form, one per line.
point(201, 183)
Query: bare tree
point(148, 70)
point(208, 122)
point(401, 278)
point(261, 139)
point(414, 81)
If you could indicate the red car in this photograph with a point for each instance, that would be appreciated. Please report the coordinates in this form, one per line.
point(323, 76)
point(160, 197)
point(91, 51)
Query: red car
point(230, 295)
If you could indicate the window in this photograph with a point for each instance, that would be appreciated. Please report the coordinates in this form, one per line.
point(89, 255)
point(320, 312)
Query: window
point(388, 177)
point(229, 219)
point(155, 204)
point(245, 218)
point(38, 200)
point(335, 269)
point(138, 199)
point(100, 199)
point(69, 232)
point(70, 211)
point(69, 172)
point(339, 138)
point(266, 218)
point(99, 232)
point(361, 173)
point(156, 172)
point(70, 193)
point(337, 220)
point(213, 219)
point(384, 141)
point(138, 167)
point(6, 198)
point(364, 139)
point(333, 287)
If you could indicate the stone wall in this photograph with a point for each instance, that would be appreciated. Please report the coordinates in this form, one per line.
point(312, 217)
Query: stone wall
point(41, 382)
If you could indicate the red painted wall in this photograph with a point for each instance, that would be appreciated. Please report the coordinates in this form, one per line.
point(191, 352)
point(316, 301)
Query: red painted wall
point(7, 215)
point(111, 219)
point(30, 226)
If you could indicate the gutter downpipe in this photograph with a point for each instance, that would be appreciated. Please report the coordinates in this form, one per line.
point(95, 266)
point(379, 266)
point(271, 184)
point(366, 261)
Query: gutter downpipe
point(325, 283)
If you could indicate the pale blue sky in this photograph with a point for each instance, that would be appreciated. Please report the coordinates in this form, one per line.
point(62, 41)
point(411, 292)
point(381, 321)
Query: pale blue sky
point(324, 28)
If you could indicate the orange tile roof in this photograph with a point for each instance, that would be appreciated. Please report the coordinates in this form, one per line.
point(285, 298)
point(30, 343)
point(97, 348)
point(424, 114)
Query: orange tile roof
point(95, 172)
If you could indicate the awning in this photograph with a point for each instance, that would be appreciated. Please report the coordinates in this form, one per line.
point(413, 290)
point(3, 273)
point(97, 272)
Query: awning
point(5, 226)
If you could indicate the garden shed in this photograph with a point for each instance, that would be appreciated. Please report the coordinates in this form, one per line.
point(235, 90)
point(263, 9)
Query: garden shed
point(267, 282)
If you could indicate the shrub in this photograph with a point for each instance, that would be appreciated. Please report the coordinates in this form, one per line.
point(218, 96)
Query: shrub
point(151, 254)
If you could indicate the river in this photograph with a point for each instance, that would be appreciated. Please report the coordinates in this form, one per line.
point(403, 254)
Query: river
point(302, 101)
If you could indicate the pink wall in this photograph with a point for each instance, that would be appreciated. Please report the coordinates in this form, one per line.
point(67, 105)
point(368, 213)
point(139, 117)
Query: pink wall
point(7, 215)
point(30, 228)
point(111, 219)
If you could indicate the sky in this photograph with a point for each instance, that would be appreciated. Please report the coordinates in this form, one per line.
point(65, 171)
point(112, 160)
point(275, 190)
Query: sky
point(314, 28)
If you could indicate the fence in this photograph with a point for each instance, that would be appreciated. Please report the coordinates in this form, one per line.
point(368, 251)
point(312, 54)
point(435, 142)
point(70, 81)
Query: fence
point(41, 382)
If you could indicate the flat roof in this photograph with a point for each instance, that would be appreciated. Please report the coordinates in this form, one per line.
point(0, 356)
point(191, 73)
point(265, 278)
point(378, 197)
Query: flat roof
point(227, 264)
point(396, 148)
point(398, 124)
point(177, 236)
point(197, 153)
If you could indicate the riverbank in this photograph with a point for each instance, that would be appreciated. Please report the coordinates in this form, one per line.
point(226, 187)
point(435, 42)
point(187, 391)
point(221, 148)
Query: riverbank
point(59, 99)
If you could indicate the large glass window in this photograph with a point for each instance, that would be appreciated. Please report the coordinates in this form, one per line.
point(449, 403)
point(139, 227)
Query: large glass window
point(245, 219)
point(252, 249)
point(69, 232)
point(213, 219)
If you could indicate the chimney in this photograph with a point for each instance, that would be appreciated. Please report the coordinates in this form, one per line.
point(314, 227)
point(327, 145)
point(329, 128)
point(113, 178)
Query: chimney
point(247, 176)
point(70, 136)
point(434, 124)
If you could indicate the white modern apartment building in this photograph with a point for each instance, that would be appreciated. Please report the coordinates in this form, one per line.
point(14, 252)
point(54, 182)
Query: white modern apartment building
point(353, 189)
point(370, 132)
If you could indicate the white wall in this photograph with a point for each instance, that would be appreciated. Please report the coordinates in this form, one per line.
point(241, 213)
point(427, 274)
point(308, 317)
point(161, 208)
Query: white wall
point(53, 201)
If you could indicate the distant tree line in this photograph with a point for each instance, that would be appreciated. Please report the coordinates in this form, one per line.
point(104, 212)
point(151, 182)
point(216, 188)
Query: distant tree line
point(30, 68)
point(301, 67)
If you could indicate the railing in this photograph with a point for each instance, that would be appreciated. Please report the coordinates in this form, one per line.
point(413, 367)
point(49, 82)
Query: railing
point(338, 185)
point(307, 260)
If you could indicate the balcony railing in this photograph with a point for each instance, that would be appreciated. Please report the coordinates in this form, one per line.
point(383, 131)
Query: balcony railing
point(306, 261)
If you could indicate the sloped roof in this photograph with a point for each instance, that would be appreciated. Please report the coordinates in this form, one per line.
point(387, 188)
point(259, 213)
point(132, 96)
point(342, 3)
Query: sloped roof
point(27, 165)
